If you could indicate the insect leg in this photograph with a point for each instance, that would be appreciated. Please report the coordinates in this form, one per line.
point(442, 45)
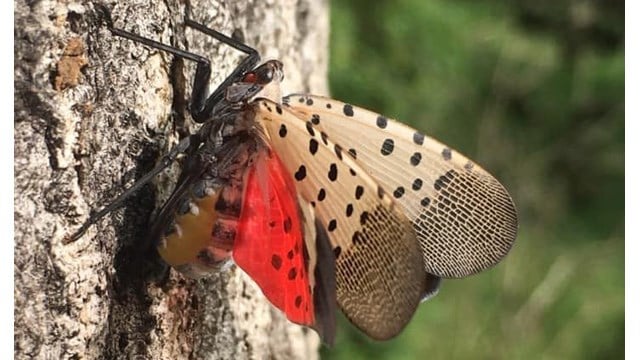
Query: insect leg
point(183, 146)
point(201, 109)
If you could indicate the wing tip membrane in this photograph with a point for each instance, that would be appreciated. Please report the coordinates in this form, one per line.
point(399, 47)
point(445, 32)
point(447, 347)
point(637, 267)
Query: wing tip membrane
point(382, 280)
point(471, 225)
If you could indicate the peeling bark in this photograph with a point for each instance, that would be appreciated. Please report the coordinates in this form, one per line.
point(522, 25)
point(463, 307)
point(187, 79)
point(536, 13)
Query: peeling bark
point(92, 114)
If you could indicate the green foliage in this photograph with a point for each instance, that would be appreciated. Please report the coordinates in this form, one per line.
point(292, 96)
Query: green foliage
point(533, 91)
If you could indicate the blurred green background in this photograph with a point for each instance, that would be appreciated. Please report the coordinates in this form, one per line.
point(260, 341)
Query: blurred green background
point(533, 91)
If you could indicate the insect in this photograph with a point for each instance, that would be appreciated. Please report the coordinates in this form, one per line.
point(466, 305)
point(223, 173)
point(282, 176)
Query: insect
point(321, 202)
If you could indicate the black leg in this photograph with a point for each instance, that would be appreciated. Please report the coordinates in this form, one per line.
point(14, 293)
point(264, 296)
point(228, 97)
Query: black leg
point(201, 108)
point(182, 147)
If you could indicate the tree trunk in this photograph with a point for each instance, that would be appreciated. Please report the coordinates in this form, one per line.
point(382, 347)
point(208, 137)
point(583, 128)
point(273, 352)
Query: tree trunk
point(94, 112)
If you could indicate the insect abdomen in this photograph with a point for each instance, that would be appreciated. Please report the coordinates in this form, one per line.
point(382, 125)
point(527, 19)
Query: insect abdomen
point(203, 237)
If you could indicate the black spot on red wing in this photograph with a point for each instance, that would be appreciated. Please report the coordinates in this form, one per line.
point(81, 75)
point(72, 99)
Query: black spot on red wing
point(272, 223)
point(290, 255)
point(381, 121)
point(349, 210)
point(353, 153)
point(296, 248)
point(415, 159)
point(276, 261)
point(310, 129)
point(417, 184)
point(283, 131)
point(446, 154)
point(425, 202)
point(293, 272)
point(364, 217)
point(298, 301)
point(301, 173)
point(387, 147)
point(278, 109)
point(418, 138)
point(313, 146)
point(332, 225)
point(309, 101)
point(336, 251)
point(398, 192)
point(321, 194)
point(333, 172)
point(338, 150)
point(287, 224)
point(359, 192)
point(347, 110)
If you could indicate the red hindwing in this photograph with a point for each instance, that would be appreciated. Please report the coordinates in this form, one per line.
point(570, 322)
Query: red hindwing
point(269, 244)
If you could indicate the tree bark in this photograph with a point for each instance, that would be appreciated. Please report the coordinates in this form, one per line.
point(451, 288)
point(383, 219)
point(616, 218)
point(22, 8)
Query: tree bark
point(94, 112)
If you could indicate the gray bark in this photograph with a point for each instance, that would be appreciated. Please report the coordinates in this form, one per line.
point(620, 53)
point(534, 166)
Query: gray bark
point(92, 114)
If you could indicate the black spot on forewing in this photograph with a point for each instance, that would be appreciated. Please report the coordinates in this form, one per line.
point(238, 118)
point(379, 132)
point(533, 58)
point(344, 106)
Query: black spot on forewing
point(333, 172)
point(387, 147)
point(283, 131)
point(349, 210)
point(301, 173)
point(415, 159)
point(332, 225)
point(418, 138)
point(364, 217)
point(425, 202)
point(347, 110)
point(310, 128)
point(381, 121)
point(313, 146)
point(338, 150)
point(321, 194)
point(417, 184)
point(397, 193)
point(446, 154)
point(324, 137)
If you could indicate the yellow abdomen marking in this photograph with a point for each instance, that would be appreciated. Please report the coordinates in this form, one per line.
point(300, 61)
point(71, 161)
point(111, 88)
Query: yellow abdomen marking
point(182, 247)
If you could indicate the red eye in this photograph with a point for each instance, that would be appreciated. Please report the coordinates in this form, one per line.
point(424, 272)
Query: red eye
point(250, 77)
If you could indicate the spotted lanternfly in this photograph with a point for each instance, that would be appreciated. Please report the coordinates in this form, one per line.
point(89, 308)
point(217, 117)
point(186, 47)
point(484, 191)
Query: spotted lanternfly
point(321, 202)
